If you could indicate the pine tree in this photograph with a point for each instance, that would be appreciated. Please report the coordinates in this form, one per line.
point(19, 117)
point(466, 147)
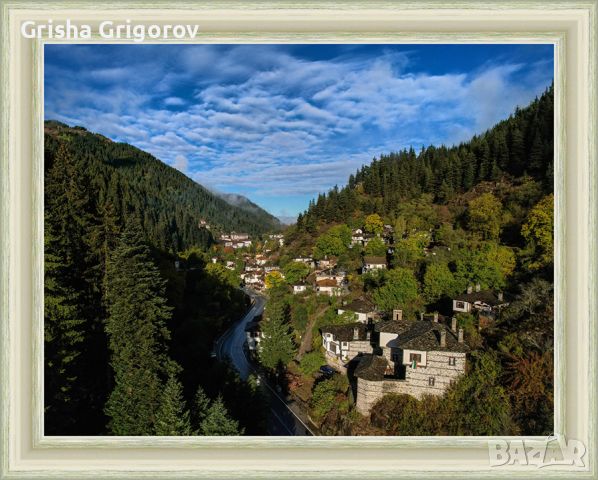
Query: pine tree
point(172, 418)
point(137, 332)
point(277, 347)
point(201, 405)
point(66, 229)
point(218, 422)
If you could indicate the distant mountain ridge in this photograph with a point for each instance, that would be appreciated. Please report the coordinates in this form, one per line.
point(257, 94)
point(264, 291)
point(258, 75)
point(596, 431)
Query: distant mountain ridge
point(242, 202)
point(167, 203)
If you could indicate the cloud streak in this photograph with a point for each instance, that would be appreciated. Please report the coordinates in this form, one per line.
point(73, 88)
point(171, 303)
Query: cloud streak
point(278, 122)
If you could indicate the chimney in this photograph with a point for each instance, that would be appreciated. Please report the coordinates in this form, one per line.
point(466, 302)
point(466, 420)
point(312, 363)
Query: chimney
point(477, 287)
point(356, 333)
point(469, 289)
point(500, 296)
point(397, 315)
point(443, 338)
point(454, 324)
point(435, 317)
point(460, 334)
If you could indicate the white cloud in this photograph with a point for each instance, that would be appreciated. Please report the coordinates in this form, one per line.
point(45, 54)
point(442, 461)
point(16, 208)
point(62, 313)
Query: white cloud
point(181, 163)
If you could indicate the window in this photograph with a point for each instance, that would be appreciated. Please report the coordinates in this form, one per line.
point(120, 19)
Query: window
point(431, 381)
point(415, 358)
point(452, 361)
point(460, 305)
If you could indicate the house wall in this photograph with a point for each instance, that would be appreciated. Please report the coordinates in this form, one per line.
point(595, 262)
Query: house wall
point(357, 347)
point(386, 337)
point(406, 361)
point(466, 306)
point(438, 367)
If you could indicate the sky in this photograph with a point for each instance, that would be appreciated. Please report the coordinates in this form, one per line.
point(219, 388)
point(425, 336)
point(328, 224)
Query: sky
point(282, 123)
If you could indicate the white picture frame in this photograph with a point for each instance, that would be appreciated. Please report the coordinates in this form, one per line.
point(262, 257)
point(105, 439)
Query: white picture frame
point(26, 453)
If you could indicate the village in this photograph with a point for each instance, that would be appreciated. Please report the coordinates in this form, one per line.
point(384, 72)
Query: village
point(379, 351)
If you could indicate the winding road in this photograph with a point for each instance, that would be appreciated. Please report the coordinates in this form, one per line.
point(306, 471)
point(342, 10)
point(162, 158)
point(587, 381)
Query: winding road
point(285, 418)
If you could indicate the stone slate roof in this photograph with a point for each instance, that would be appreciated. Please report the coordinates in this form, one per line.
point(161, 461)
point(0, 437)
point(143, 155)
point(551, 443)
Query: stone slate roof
point(425, 336)
point(375, 260)
point(371, 367)
point(359, 305)
point(393, 326)
point(344, 333)
point(486, 296)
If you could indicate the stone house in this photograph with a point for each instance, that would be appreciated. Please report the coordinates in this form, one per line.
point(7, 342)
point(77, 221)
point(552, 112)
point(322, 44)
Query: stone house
point(373, 263)
point(416, 358)
point(348, 341)
point(363, 310)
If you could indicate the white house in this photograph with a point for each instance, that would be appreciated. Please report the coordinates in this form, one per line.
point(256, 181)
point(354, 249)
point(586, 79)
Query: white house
point(346, 342)
point(357, 237)
point(373, 263)
point(328, 287)
point(299, 288)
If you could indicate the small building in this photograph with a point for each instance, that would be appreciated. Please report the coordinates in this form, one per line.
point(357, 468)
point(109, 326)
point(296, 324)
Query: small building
point(307, 260)
point(373, 263)
point(326, 263)
point(363, 309)
point(328, 287)
point(357, 237)
point(260, 259)
point(230, 264)
point(484, 301)
point(204, 224)
point(299, 288)
point(346, 342)
point(337, 275)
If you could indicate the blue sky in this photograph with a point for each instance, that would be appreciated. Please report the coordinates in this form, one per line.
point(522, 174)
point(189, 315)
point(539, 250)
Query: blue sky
point(281, 123)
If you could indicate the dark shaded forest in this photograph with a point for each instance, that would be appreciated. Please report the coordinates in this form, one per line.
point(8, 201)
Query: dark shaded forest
point(128, 335)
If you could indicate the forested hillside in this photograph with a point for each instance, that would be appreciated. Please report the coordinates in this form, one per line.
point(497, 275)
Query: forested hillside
point(167, 204)
point(128, 333)
point(520, 146)
point(443, 220)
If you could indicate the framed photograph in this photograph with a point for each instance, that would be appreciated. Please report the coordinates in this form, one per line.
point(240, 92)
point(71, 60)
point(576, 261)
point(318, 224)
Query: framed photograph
point(277, 240)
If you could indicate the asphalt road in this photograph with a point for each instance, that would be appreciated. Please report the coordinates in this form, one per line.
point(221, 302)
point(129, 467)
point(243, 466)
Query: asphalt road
point(285, 417)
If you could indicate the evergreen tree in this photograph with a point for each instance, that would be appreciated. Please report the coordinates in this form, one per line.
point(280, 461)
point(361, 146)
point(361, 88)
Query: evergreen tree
point(277, 347)
point(137, 332)
point(66, 229)
point(172, 418)
point(218, 422)
point(201, 405)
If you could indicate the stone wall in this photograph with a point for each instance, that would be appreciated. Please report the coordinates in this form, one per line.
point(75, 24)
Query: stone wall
point(358, 346)
point(416, 381)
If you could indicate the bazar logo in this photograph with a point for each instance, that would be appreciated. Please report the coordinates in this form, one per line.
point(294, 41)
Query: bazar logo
point(539, 453)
